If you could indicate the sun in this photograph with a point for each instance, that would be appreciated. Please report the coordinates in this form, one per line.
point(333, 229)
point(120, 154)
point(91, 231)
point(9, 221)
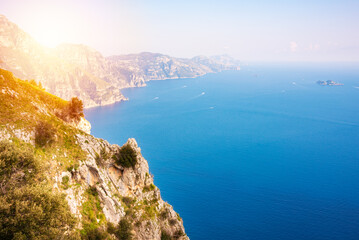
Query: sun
point(49, 37)
point(52, 29)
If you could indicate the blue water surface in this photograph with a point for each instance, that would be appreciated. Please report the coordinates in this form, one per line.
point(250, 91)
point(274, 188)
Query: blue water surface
point(261, 153)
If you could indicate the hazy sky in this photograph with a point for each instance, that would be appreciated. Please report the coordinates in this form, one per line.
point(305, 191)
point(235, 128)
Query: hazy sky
point(264, 30)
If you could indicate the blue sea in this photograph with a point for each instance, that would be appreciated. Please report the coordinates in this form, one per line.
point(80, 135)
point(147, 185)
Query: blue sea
point(260, 153)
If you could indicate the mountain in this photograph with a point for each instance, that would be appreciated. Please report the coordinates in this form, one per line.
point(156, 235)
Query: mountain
point(59, 182)
point(27, 59)
point(78, 70)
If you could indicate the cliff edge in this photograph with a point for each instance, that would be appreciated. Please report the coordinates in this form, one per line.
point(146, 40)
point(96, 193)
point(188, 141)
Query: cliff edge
point(89, 188)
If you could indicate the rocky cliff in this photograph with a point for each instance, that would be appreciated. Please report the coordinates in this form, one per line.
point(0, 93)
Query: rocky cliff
point(77, 70)
point(108, 189)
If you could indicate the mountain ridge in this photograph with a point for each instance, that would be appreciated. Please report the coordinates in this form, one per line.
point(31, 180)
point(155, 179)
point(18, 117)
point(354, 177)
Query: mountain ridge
point(78, 70)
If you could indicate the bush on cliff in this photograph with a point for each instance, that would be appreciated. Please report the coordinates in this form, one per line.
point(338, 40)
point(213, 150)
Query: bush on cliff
point(123, 231)
point(17, 166)
point(126, 157)
point(29, 209)
point(75, 108)
point(44, 134)
point(73, 111)
point(33, 212)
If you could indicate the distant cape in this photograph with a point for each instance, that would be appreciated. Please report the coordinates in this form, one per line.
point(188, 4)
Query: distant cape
point(78, 70)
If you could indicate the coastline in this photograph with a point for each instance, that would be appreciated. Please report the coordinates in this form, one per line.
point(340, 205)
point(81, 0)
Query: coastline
point(160, 79)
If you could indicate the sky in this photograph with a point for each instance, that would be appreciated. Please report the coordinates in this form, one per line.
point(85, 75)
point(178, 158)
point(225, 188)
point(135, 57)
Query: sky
point(252, 30)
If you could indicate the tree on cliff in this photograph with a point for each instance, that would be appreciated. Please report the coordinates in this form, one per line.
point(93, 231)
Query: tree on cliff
point(75, 109)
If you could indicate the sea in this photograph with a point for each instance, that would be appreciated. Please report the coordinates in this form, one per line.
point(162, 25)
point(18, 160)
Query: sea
point(260, 153)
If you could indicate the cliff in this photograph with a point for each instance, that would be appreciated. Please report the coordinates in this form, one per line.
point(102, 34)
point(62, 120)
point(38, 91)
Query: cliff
point(78, 70)
point(79, 186)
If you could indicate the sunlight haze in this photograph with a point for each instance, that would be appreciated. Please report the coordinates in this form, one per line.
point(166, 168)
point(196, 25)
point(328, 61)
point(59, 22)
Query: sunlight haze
point(248, 30)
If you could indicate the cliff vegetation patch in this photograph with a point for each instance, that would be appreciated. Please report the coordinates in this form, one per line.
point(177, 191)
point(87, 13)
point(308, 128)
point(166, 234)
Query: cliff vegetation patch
point(126, 157)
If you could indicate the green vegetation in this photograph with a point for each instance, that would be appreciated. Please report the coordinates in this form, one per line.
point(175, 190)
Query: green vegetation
point(17, 166)
point(73, 111)
point(26, 106)
point(150, 211)
point(28, 207)
point(179, 233)
point(123, 231)
point(126, 157)
point(172, 222)
point(93, 217)
point(148, 188)
point(23, 103)
point(164, 214)
point(165, 235)
point(44, 134)
point(33, 82)
point(65, 182)
point(102, 157)
point(73, 167)
point(128, 201)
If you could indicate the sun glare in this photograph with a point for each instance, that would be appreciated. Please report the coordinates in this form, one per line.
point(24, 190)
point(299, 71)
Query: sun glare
point(53, 29)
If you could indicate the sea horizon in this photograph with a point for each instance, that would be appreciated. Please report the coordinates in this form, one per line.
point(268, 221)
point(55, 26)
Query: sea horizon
point(258, 137)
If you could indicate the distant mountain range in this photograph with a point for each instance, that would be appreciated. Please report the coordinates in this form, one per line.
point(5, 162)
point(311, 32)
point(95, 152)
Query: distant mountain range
point(78, 70)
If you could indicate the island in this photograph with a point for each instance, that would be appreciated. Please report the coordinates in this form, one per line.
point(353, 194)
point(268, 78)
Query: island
point(329, 83)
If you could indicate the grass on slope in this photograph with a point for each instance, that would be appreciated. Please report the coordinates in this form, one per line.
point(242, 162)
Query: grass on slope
point(25, 106)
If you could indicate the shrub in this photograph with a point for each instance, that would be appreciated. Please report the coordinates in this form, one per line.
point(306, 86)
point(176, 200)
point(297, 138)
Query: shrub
point(76, 109)
point(17, 165)
point(124, 230)
point(29, 210)
point(172, 222)
point(73, 167)
point(98, 159)
point(104, 154)
point(126, 157)
point(92, 191)
point(34, 212)
point(111, 228)
point(39, 85)
point(164, 214)
point(96, 234)
point(128, 201)
point(148, 188)
point(165, 236)
point(65, 182)
point(150, 212)
point(102, 157)
point(92, 216)
point(44, 134)
point(179, 233)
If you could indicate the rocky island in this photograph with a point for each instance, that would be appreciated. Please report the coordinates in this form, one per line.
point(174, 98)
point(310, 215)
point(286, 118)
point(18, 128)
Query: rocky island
point(329, 83)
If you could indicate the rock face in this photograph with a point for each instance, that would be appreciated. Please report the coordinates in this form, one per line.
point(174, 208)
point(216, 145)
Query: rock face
point(112, 181)
point(113, 184)
point(83, 125)
point(77, 70)
point(98, 187)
